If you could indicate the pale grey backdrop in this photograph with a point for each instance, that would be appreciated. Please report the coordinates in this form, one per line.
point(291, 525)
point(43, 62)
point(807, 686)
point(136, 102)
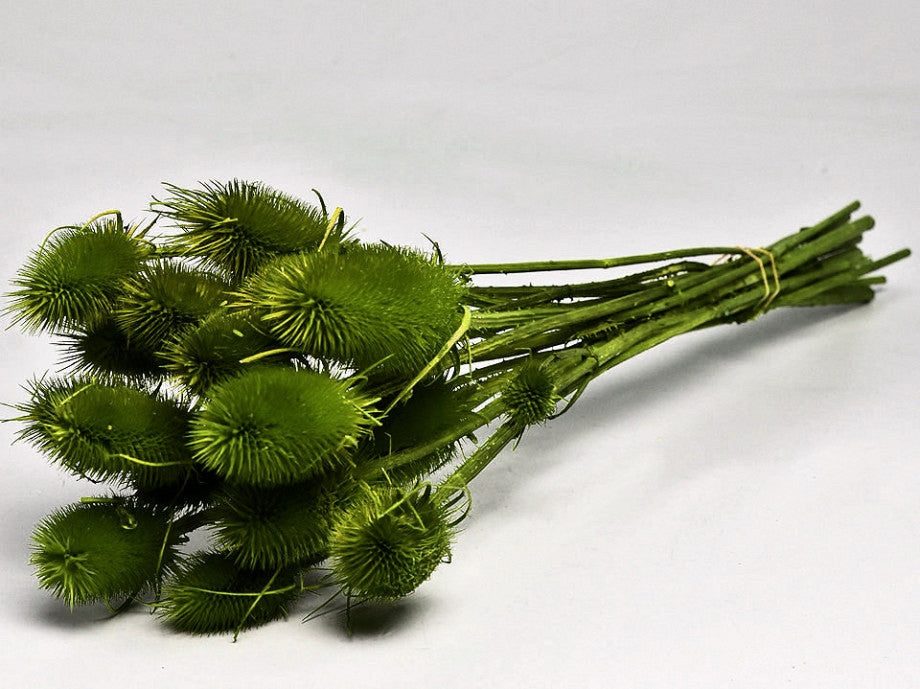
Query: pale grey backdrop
point(738, 508)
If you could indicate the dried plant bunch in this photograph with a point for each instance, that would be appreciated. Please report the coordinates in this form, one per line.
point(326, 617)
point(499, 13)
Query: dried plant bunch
point(316, 407)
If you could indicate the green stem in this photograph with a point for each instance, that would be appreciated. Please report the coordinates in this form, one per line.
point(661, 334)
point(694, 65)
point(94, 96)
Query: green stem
point(478, 461)
point(544, 330)
point(503, 298)
point(587, 264)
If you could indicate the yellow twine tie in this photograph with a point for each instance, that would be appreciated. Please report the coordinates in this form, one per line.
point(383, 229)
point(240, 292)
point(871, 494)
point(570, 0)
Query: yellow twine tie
point(769, 294)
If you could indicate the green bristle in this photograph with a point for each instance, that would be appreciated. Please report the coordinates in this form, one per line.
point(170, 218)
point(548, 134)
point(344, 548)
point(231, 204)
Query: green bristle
point(278, 526)
point(106, 352)
point(201, 356)
point(531, 397)
point(388, 542)
point(164, 298)
point(108, 431)
point(431, 410)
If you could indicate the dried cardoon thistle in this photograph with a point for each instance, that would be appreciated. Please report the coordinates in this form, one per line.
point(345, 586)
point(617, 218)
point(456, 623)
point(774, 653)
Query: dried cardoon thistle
point(300, 397)
point(434, 408)
point(74, 278)
point(218, 349)
point(285, 526)
point(382, 309)
point(389, 541)
point(210, 594)
point(104, 351)
point(276, 425)
point(165, 297)
point(103, 549)
point(531, 396)
point(108, 431)
point(235, 227)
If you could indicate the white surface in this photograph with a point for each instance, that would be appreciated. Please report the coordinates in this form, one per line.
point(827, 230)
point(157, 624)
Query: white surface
point(737, 508)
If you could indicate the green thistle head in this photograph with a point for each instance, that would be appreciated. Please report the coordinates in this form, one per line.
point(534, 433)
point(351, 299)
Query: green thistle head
point(108, 431)
point(101, 551)
point(389, 309)
point(164, 298)
point(389, 541)
point(278, 526)
point(275, 424)
point(106, 352)
point(237, 226)
point(73, 280)
point(210, 594)
point(531, 397)
point(212, 352)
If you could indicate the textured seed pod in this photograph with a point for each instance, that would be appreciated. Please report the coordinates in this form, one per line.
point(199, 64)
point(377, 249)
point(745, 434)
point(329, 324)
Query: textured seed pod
point(377, 306)
point(108, 431)
point(388, 542)
point(73, 280)
point(106, 352)
point(164, 298)
point(432, 409)
point(211, 352)
point(277, 526)
point(531, 396)
point(101, 551)
point(275, 424)
point(210, 594)
point(237, 226)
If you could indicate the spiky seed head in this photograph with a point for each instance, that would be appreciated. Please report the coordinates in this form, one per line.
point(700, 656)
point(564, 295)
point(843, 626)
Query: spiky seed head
point(105, 351)
point(101, 551)
point(531, 397)
point(237, 226)
point(277, 526)
point(276, 424)
point(389, 541)
point(72, 281)
point(209, 593)
point(164, 298)
point(108, 431)
point(432, 409)
point(378, 307)
point(212, 351)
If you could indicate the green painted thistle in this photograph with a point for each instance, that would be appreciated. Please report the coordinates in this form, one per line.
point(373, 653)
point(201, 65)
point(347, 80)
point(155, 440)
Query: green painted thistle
point(102, 551)
point(315, 407)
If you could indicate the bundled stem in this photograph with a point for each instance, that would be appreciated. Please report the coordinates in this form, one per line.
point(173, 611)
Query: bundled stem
point(580, 331)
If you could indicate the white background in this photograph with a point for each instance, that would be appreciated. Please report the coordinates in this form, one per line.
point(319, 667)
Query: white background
point(736, 508)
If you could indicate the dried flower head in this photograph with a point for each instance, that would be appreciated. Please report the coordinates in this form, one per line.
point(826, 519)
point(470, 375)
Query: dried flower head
point(389, 541)
point(210, 594)
point(101, 551)
point(237, 226)
point(108, 431)
point(377, 307)
point(276, 424)
point(74, 278)
point(531, 396)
